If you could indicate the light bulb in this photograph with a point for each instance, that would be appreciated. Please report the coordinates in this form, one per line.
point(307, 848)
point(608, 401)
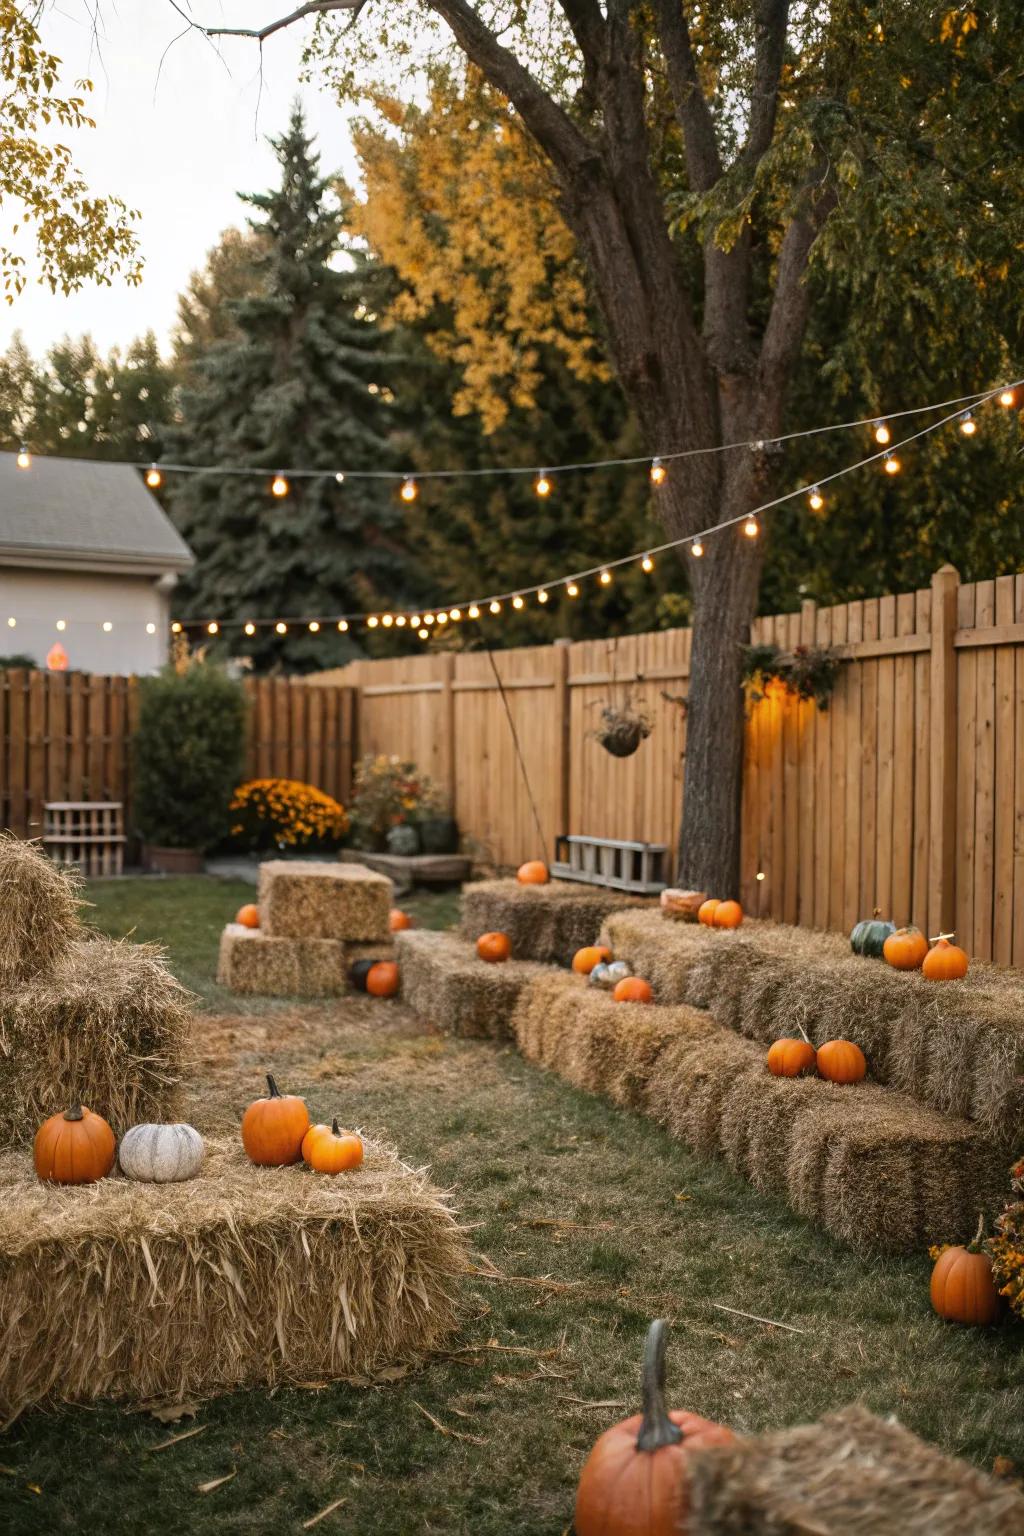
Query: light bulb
point(423, 633)
point(474, 611)
point(571, 589)
point(372, 621)
point(606, 577)
point(388, 620)
point(647, 564)
point(751, 527)
point(542, 485)
point(968, 425)
point(175, 628)
point(250, 629)
point(410, 490)
point(213, 627)
point(153, 477)
point(696, 549)
point(428, 619)
point(150, 629)
point(343, 626)
point(107, 626)
point(659, 474)
point(62, 625)
point(401, 620)
point(12, 623)
point(415, 621)
point(456, 614)
point(517, 601)
point(759, 875)
point(279, 486)
point(340, 477)
point(891, 464)
point(1007, 397)
point(495, 606)
point(281, 627)
point(882, 434)
point(542, 596)
point(24, 458)
point(314, 626)
point(442, 617)
point(815, 500)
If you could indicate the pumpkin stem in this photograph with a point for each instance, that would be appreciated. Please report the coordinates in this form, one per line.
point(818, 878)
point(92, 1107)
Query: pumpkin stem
point(334, 1127)
point(942, 938)
point(273, 1091)
point(975, 1245)
point(803, 1032)
point(75, 1112)
point(657, 1428)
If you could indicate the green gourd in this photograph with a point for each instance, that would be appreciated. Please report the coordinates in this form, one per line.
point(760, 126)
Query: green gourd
point(870, 934)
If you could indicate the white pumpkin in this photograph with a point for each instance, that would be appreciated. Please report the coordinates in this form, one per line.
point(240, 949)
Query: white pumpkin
point(161, 1154)
point(608, 976)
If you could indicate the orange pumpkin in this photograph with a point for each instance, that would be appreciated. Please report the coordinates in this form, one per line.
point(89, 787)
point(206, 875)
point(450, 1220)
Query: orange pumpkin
point(76, 1147)
point(382, 979)
point(945, 961)
point(789, 1058)
point(841, 1061)
point(399, 921)
point(728, 914)
point(962, 1288)
point(248, 916)
point(273, 1128)
point(533, 872)
point(633, 989)
point(584, 960)
point(329, 1150)
point(706, 911)
point(683, 906)
point(494, 947)
point(905, 949)
point(635, 1481)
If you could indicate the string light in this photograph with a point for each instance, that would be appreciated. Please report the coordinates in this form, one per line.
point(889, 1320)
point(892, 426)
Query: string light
point(401, 621)
point(24, 458)
point(968, 425)
point(571, 589)
point(542, 485)
point(606, 578)
point(891, 464)
point(250, 629)
point(442, 617)
point(542, 596)
point(696, 549)
point(647, 564)
point(751, 527)
point(12, 623)
point(153, 477)
point(281, 628)
point(815, 500)
point(1007, 397)
point(213, 627)
point(473, 611)
point(659, 474)
point(388, 620)
point(107, 626)
point(882, 434)
point(175, 628)
point(372, 621)
point(517, 601)
point(314, 626)
point(343, 626)
point(495, 606)
point(456, 614)
point(423, 633)
point(279, 486)
point(410, 490)
point(62, 625)
point(415, 621)
point(340, 477)
point(150, 629)
point(428, 619)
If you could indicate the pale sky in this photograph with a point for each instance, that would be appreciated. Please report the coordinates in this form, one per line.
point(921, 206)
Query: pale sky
point(178, 147)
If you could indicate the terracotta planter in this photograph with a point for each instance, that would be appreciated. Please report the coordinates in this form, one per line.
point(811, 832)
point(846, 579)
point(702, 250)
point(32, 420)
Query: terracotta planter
point(172, 861)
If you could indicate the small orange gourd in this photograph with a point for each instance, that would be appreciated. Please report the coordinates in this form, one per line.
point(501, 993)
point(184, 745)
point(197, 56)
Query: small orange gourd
point(584, 960)
point(633, 989)
point(248, 916)
point(789, 1058)
point(399, 921)
point(706, 911)
point(77, 1147)
point(382, 979)
point(962, 1288)
point(329, 1150)
point(635, 1482)
point(533, 872)
point(273, 1128)
point(728, 914)
point(905, 949)
point(494, 947)
point(841, 1061)
point(945, 961)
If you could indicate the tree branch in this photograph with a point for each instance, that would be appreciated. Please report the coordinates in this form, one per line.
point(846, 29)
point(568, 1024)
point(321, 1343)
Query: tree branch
point(311, 8)
point(703, 161)
point(588, 28)
point(787, 318)
point(770, 51)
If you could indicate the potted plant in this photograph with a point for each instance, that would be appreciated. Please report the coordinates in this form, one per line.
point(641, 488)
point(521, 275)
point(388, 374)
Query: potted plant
point(439, 832)
point(187, 755)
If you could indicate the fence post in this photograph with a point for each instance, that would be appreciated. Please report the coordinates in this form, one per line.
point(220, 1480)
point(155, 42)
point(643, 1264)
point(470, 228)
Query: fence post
point(563, 733)
point(942, 798)
point(446, 743)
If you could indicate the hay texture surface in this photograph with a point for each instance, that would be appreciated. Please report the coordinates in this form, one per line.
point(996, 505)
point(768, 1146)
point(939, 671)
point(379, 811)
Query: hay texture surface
point(874, 1167)
point(251, 961)
point(38, 911)
point(299, 900)
point(544, 922)
point(851, 1475)
point(108, 1024)
point(241, 1277)
point(956, 1046)
point(446, 983)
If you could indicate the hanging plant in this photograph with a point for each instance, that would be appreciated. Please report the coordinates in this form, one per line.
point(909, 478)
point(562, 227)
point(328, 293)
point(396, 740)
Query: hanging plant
point(807, 672)
point(622, 730)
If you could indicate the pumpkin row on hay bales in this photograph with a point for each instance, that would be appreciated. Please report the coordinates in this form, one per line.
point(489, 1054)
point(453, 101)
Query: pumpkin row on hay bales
point(273, 1128)
point(248, 916)
point(869, 935)
point(79, 1147)
point(839, 1061)
point(494, 948)
point(720, 914)
point(330, 1150)
point(585, 959)
point(533, 872)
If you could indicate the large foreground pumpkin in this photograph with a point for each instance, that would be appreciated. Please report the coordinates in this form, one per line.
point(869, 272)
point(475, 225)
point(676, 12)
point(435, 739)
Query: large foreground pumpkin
point(635, 1481)
point(76, 1147)
point(962, 1288)
point(273, 1128)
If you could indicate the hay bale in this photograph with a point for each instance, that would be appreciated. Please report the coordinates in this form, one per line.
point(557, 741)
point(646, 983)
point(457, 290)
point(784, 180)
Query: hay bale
point(300, 900)
point(108, 1024)
point(38, 911)
point(445, 983)
point(544, 922)
point(252, 961)
point(851, 1475)
point(241, 1277)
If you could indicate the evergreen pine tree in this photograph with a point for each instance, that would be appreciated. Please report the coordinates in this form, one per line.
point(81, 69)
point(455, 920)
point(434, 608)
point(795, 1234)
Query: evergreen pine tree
point(302, 382)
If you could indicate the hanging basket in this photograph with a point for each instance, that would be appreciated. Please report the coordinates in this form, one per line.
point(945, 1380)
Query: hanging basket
point(622, 730)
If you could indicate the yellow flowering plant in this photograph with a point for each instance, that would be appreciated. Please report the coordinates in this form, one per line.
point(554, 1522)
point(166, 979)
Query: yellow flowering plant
point(1006, 1246)
point(285, 814)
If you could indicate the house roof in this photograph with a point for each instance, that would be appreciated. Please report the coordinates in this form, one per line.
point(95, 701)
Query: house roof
point(84, 514)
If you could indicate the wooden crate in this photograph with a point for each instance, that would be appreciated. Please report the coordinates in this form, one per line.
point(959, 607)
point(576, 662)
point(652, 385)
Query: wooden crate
point(89, 833)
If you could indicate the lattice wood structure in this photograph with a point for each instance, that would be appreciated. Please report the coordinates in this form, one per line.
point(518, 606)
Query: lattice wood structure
point(640, 868)
point(89, 833)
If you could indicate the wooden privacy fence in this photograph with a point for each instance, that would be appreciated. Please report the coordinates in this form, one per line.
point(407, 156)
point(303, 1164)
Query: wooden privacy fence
point(68, 737)
point(906, 794)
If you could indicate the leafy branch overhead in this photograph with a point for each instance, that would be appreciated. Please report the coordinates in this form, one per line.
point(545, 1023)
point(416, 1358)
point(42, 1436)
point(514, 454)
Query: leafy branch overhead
point(76, 236)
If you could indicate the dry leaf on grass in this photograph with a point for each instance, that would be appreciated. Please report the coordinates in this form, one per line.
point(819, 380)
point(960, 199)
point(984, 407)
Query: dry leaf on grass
point(322, 1514)
point(186, 1434)
point(582, 1402)
point(216, 1482)
point(454, 1434)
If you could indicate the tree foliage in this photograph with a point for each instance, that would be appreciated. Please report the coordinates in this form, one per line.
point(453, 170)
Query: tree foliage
point(77, 237)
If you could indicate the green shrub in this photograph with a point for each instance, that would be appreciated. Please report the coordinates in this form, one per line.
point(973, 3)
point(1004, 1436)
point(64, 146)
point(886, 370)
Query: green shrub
point(188, 756)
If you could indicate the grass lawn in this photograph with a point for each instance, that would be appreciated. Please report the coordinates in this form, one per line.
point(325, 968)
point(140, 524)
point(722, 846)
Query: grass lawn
point(584, 1222)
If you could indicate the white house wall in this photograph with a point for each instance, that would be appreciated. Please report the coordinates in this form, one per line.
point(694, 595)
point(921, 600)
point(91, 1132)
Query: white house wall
point(35, 600)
